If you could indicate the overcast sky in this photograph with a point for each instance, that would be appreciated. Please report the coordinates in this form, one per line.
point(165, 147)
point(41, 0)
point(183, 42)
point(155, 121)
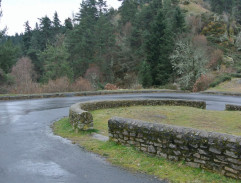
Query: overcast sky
point(16, 12)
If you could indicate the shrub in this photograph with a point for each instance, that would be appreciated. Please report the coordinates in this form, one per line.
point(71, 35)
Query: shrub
point(170, 86)
point(81, 84)
point(93, 75)
point(216, 59)
point(236, 75)
point(64, 85)
point(200, 41)
point(136, 86)
point(58, 85)
point(203, 82)
point(195, 23)
point(238, 42)
point(186, 2)
point(109, 86)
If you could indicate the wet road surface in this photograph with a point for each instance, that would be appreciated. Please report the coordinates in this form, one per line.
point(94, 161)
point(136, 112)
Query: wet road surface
point(30, 153)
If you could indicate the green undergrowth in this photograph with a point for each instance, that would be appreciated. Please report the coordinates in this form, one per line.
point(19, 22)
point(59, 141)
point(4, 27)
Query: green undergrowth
point(136, 161)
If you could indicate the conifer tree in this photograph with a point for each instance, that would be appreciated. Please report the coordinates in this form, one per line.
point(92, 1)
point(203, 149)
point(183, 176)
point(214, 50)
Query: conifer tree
point(55, 59)
point(238, 11)
point(8, 56)
point(81, 40)
point(56, 23)
point(145, 75)
point(27, 37)
point(128, 11)
point(159, 46)
point(68, 24)
point(178, 21)
point(46, 32)
point(2, 32)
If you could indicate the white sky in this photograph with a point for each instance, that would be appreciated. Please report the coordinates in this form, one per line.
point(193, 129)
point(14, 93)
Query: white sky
point(16, 12)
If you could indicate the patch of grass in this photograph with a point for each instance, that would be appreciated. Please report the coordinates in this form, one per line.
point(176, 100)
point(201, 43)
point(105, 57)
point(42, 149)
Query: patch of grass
point(228, 86)
point(219, 121)
point(221, 79)
point(134, 160)
point(194, 9)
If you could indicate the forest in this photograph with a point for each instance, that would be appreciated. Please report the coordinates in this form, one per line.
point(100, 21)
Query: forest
point(175, 44)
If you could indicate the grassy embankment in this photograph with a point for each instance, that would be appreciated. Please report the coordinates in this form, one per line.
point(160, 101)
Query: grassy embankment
point(228, 86)
point(134, 160)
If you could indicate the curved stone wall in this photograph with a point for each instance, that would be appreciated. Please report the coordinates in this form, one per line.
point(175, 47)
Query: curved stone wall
point(209, 150)
point(81, 119)
point(230, 107)
point(201, 149)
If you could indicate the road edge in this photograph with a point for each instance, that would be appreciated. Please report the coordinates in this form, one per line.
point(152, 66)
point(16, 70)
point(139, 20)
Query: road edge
point(86, 93)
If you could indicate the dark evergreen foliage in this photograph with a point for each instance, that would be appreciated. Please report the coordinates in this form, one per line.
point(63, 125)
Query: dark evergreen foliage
point(27, 37)
point(116, 42)
point(145, 75)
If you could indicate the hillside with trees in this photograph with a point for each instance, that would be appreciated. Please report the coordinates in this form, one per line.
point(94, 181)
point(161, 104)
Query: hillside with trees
point(186, 44)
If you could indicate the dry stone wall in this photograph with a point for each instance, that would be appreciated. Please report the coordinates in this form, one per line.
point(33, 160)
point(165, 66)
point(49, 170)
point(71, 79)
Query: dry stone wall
point(214, 151)
point(233, 107)
point(209, 150)
point(81, 119)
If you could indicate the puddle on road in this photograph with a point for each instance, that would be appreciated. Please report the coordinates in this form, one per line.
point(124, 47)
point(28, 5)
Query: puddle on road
point(49, 169)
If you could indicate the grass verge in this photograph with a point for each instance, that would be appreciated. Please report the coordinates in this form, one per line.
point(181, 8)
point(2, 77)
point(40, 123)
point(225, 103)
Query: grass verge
point(134, 160)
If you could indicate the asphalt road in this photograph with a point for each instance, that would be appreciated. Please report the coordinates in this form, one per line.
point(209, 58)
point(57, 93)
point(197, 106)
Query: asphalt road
point(30, 153)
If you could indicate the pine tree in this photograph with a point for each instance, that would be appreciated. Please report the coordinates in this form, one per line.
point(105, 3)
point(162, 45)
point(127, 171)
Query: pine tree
point(145, 75)
point(128, 11)
point(68, 24)
point(56, 24)
point(220, 6)
point(101, 7)
point(159, 46)
point(2, 32)
point(8, 56)
point(238, 11)
point(27, 37)
point(179, 21)
point(84, 40)
point(46, 32)
point(55, 59)
point(37, 45)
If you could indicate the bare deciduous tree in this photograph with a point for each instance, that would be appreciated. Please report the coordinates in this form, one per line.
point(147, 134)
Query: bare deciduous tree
point(24, 74)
